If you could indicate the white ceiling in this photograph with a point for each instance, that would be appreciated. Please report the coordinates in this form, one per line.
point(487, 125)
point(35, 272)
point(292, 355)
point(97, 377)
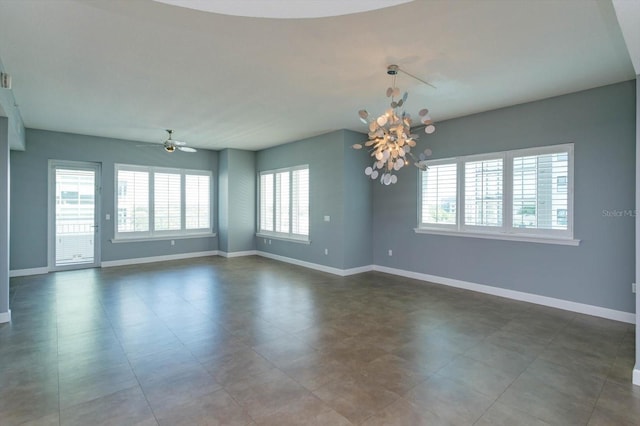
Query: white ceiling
point(129, 69)
point(285, 8)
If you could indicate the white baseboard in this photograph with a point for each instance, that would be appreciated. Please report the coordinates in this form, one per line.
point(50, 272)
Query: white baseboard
point(29, 271)
point(636, 375)
point(5, 316)
point(140, 260)
point(566, 305)
point(358, 270)
point(237, 253)
point(316, 266)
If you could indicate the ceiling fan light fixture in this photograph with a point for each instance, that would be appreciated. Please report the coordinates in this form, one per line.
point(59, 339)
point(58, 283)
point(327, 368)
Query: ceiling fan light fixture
point(171, 145)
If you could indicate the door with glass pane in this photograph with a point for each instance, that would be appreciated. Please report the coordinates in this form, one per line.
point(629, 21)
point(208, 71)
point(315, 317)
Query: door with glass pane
point(74, 202)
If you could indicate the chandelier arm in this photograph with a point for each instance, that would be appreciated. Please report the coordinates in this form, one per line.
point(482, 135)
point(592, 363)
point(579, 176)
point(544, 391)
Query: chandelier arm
point(417, 78)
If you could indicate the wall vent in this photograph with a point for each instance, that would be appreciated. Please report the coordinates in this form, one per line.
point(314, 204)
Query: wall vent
point(5, 80)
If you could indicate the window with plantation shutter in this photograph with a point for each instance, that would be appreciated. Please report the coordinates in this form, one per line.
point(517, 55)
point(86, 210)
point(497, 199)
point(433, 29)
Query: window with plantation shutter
point(167, 201)
point(132, 200)
point(483, 192)
point(524, 195)
point(156, 202)
point(300, 202)
point(438, 187)
point(266, 202)
point(284, 203)
point(197, 192)
point(283, 198)
point(540, 198)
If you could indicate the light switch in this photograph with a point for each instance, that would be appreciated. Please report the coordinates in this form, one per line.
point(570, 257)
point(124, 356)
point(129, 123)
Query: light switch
point(327, 218)
point(108, 216)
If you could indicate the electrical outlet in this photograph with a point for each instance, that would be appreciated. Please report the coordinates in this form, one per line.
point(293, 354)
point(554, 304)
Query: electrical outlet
point(327, 218)
point(633, 287)
point(264, 240)
point(326, 252)
point(108, 216)
point(390, 252)
point(269, 242)
point(173, 242)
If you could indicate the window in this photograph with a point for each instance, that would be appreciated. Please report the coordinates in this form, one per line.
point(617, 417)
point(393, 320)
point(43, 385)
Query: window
point(536, 200)
point(483, 192)
point(300, 202)
point(197, 201)
point(283, 197)
point(266, 202)
point(439, 188)
point(167, 200)
point(133, 200)
point(523, 192)
point(561, 216)
point(284, 203)
point(561, 182)
point(153, 202)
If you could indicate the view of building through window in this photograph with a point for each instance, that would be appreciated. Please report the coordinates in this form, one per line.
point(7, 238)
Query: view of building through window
point(540, 191)
point(537, 197)
point(162, 201)
point(74, 216)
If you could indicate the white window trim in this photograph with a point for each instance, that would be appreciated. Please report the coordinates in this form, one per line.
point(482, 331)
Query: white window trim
point(162, 238)
point(279, 236)
point(500, 236)
point(506, 231)
point(151, 234)
point(284, 236)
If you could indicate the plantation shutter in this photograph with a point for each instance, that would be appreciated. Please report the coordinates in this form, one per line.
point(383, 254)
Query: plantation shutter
point(439, 194)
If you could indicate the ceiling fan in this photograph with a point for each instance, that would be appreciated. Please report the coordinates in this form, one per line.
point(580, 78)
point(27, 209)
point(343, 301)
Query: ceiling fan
point(170, 145)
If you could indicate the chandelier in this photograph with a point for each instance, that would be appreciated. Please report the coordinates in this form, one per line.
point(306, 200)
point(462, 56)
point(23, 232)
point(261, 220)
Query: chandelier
point(390, 138)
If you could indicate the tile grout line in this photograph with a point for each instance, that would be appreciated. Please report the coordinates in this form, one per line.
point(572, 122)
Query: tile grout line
point(128, 362)
point(198, 360)
point(546, 345)
point(606, 379)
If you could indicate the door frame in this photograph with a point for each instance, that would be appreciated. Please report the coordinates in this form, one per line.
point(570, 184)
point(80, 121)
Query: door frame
point(51, 209)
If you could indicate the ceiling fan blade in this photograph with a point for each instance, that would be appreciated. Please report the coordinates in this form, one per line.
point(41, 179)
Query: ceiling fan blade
point(187, 149)
point(179, 143)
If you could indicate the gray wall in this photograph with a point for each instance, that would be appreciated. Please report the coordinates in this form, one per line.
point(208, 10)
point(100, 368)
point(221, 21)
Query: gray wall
point(237, 200)
point(357, 204)
point(330, 195)
point(4, 215)
point(223, 200)
point(29, 180)
point(601, 123)
point(637, 264)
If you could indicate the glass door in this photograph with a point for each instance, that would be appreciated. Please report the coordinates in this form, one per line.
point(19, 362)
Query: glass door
point(74, 206)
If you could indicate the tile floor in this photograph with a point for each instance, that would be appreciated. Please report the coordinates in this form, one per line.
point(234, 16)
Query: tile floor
point(250, 341)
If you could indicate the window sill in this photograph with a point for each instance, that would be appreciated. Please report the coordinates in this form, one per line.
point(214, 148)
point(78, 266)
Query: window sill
point(496, 236)
point(161, 238)
point(283, 238)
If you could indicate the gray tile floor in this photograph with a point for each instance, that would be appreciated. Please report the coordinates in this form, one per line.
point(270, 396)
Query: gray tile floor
point(253, 341)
